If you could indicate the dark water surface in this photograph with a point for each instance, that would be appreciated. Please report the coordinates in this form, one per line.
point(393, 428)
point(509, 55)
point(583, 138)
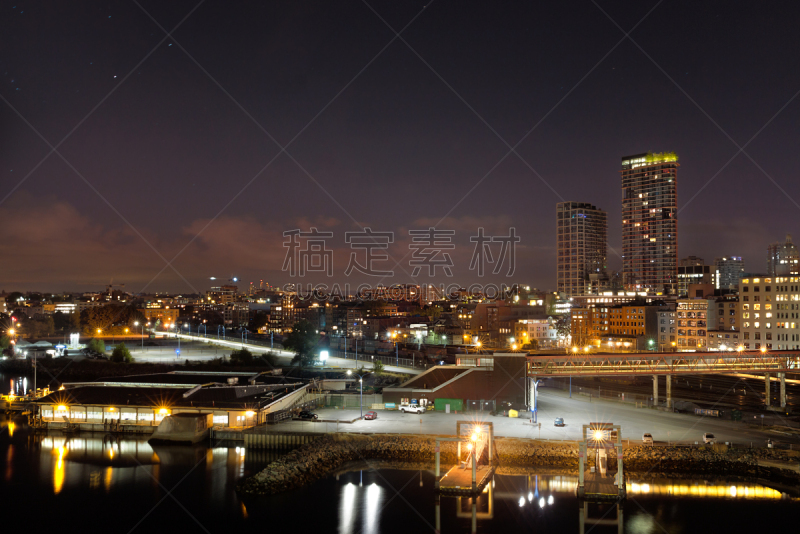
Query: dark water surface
point(86, 483)
point(90, 483)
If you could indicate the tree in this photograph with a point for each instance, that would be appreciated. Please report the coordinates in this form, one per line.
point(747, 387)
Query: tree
point(242, 356)
point(377, 367)
point(564, 325)
point(98, 345)
point(5, 342)
point(303, 339)
point(121, 354)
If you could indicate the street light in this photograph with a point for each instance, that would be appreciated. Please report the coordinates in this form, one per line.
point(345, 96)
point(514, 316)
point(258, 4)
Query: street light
point(361, 388)
point(136, 323)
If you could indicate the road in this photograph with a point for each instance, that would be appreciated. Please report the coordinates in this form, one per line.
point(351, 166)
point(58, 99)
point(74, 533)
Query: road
point(665, 427)
point(195, 349)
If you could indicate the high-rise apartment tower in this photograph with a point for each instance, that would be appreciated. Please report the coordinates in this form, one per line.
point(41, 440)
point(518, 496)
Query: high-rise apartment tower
point(650, 222)
point(582, 245)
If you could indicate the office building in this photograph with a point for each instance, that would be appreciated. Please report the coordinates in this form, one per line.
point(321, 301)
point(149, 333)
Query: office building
point(783, 259)
point(729, 270)
point(692, 324)
point(650, 223)
point(582, 245)
point(693, 270)
point(770, 312)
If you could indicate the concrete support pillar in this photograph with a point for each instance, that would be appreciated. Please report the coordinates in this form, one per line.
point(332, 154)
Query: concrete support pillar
point(783, 390)
point(669, 391)
point(655, 390)
point(766, 386)
point(438, 512)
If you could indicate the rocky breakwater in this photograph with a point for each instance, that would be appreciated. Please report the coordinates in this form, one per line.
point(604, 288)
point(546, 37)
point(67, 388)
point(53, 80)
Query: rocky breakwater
point(526, 452)
point(330, 452)
point(717, 460)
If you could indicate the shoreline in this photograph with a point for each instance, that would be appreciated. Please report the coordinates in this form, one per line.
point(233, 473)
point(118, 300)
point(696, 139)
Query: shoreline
point(332, 452)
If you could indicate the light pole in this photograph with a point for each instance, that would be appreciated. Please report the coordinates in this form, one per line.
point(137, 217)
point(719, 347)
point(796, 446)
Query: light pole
point(205, 330)
point(361, 388)
point(136, 323)
point(396, 351)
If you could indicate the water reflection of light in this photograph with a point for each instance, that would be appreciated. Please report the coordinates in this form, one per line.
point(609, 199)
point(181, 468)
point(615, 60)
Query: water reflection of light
point(373, 508)
point(739, 491)
point(11, 427)
point(107, 479)
point(58, 472)
point(641, 524)
point(9, 463)
point(541, 502)
point(346, 508)
point(530, 497)
point(550, 499)
point(521, 502)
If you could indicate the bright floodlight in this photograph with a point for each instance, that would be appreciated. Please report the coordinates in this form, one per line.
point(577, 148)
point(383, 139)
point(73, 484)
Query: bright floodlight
point(323, 355)
point(349, 372)
point(474, 437)
point(598, 435)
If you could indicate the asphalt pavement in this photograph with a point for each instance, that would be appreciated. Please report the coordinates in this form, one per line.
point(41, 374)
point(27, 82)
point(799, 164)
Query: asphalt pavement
point(666, 427)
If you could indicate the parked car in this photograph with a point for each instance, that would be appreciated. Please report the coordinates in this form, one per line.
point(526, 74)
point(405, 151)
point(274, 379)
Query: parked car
point(411, 408)
point(559, 421)
point(708, 437)
point(371, 415)
point(647, 439)
point(305, 414)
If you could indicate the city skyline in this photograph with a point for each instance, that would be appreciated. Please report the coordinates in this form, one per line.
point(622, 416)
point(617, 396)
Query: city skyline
point(168, 174)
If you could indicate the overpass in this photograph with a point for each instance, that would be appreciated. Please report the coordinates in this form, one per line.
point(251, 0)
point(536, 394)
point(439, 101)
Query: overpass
point(669, 363)
point(344, 363)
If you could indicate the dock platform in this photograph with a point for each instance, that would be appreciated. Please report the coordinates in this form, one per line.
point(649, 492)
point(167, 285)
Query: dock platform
point(601, 488)
point(458, 481)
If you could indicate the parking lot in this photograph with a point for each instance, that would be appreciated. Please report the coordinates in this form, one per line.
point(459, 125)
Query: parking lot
point(665, 427)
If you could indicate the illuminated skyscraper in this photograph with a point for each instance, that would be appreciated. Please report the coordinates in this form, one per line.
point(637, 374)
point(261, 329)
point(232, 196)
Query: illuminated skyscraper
point(582, 244)
point(783, 258)
point(650, 222)
point(729, 271)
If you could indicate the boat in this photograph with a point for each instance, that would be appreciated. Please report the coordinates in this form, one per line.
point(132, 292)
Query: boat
point(183, 428)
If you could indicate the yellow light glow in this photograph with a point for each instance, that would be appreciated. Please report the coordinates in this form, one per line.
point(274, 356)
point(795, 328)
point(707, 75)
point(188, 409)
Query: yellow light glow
point(514, 346)
point(598, 435)
point(111, 409)
point(249, 413)
point(575, 349)
point(58, 472)
point(61, 408)
point(469, 446)
point(162, 410)
point(763, 349)
point(11, 427)
point(11, 331)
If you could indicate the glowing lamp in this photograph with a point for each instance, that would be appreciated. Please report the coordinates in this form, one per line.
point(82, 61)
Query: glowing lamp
point(163, 410)
point(61, 408)
point(598, 435)
point(249, 413)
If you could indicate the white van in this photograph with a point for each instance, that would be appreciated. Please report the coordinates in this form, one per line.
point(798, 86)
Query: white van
point(647, 439)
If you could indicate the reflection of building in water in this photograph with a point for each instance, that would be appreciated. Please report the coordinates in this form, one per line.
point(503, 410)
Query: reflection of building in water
point(480, 506)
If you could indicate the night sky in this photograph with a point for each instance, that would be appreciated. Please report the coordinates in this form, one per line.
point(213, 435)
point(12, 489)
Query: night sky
point(172, 143)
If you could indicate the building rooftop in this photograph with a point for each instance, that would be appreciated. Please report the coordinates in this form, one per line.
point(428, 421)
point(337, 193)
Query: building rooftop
point(211, 396)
